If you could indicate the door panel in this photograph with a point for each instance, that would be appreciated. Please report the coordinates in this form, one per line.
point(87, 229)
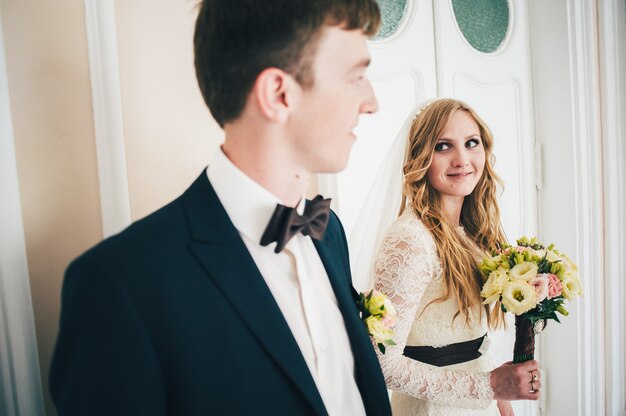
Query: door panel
point(402, 74)
point(430, 57)
point(499, 86)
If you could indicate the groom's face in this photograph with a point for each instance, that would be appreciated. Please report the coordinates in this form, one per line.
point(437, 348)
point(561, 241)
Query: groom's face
point(325, 114)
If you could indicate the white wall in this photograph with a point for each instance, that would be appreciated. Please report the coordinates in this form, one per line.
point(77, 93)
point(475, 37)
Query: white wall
point(554, 131)
point(168, 133)
point(20, 380)
point(579, 104)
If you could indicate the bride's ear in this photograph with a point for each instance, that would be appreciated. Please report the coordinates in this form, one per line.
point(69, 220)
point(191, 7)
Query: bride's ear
point(272, 92)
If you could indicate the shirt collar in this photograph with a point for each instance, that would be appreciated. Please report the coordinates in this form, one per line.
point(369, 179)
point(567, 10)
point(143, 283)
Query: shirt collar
point(248, 205)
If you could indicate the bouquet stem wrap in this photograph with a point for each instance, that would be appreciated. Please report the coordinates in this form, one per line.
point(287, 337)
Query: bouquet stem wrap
point(524, 349)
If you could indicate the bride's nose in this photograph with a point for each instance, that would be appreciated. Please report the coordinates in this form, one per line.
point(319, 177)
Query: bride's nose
point(460, 160)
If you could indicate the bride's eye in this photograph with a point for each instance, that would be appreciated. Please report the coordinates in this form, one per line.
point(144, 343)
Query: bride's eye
point(441, 146)
point(472, 143)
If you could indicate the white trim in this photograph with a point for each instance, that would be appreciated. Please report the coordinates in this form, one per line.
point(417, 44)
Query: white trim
point(20, 380)
point(613, 84)
point(582, 26)
point(107, 114)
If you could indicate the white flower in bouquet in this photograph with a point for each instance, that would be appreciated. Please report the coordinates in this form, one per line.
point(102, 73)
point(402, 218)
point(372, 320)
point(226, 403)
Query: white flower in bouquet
point(518, 297)
point(494, 285)
point(524, 271)
point(572, 287)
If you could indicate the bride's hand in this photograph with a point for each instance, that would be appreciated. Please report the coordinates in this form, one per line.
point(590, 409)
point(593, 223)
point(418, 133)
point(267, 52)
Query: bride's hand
point(505, 408)
point(513, 381)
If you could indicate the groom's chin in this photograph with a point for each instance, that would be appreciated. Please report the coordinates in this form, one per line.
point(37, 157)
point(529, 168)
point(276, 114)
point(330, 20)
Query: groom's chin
point(337, 164)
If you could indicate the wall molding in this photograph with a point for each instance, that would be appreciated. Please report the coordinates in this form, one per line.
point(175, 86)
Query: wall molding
point(612, 21)
point(107, 114)
point(21, 390)
point(585, 81)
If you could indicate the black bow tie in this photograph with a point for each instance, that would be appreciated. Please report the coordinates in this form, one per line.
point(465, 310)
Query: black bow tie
point(286, 222)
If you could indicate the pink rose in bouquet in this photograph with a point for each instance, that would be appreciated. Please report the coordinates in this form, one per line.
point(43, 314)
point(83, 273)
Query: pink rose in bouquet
point(540, 283)
point(555, 287)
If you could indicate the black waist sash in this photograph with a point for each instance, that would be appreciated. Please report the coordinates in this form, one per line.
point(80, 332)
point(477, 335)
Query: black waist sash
point(460, 352)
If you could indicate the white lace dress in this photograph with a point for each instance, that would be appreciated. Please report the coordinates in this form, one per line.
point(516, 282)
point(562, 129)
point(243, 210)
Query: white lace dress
point(408, 271)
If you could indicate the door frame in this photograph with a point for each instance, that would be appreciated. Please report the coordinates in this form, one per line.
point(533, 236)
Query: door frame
point(106, 100)
point(612, 44)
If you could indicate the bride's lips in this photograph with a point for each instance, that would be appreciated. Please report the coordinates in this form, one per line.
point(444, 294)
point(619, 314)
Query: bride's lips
point(459, 175)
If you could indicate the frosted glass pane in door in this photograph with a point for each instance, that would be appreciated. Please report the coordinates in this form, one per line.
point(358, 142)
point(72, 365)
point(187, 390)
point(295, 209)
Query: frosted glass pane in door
point(483, 23)
point(392, 13)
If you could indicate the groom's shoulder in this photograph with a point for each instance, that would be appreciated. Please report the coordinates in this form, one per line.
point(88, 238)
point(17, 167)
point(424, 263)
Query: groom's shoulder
point(149, 236)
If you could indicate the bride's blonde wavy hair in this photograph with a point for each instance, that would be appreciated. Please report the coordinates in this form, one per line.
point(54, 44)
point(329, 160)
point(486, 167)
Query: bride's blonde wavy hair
point(480, 215)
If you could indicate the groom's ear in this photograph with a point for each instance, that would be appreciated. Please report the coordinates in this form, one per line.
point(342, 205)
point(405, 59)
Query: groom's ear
point(272, 91)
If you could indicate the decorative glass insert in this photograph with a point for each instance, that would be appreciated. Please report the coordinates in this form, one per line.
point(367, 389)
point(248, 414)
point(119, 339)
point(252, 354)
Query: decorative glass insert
point(483, 23)
point(392, 12)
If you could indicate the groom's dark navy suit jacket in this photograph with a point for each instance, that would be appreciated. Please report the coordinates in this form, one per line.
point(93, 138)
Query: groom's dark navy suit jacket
point(172, 316)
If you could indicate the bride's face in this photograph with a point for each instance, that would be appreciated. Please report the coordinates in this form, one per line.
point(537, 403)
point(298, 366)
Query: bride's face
point(459, 158)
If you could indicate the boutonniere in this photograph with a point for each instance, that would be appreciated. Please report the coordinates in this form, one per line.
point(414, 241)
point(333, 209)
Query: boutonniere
point(379, 316)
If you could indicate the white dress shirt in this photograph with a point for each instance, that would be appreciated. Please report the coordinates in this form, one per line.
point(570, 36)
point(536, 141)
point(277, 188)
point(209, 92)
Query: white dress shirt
point(299, 283)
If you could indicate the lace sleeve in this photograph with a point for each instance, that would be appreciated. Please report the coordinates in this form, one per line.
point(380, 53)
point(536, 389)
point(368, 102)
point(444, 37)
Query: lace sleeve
point(404, 267)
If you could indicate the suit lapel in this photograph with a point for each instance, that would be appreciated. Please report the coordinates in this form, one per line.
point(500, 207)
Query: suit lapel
point(368, 374)
point(219, 248)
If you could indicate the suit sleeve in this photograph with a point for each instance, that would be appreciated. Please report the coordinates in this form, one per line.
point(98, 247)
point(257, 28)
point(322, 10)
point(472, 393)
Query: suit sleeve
point(104, 362)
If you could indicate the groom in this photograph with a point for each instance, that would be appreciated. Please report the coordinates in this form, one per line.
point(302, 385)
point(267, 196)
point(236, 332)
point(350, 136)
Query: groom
point(203, 307)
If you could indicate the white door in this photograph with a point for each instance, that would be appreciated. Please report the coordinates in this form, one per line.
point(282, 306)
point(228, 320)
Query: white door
point(403, 73)
point(498, 85)
point(427, 56)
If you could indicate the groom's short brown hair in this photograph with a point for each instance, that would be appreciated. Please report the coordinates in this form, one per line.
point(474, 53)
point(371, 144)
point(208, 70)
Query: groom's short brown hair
point(235, 40)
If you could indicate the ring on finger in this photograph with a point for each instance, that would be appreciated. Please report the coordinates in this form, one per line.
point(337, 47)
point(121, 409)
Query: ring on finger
point(532, 387)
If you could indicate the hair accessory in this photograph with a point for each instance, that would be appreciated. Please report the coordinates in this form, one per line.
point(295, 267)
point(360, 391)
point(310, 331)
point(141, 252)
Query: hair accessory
point(421, 109)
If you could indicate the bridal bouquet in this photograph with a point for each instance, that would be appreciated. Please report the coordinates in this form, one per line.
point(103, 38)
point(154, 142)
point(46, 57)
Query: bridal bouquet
point(379, 316)
point(532, 282)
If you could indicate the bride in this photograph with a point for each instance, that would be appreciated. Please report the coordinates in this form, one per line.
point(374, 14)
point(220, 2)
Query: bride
point(427, 266)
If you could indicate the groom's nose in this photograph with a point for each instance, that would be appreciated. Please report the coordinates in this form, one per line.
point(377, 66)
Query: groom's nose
point(370, 103)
